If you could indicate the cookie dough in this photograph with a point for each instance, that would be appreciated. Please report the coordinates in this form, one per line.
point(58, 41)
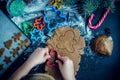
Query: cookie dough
point(102, 44)
point(69, 43)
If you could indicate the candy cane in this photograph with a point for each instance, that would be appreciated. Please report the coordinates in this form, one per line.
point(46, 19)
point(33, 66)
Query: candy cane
point(101, 20)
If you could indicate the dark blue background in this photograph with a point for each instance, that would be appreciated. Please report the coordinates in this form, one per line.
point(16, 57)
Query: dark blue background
point(107, 67)
point(99, 68)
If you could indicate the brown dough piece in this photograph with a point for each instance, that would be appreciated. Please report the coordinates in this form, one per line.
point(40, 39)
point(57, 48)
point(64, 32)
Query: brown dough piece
point(23, 43)
point(1, 67)
point(69, 43)
point(7, 59)
point(2, 51)
point(17, 36)
point(8, 44)
point(102, 44)
point(15, 51)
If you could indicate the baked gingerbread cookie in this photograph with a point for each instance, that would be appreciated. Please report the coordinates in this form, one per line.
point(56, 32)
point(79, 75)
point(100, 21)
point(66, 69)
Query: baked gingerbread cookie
point(1, 67)
point(7, 59)
point(69, 43)
point(24, 43)
point(8, 44)
point(15, 51)
point(2, 51)
point(17, 36)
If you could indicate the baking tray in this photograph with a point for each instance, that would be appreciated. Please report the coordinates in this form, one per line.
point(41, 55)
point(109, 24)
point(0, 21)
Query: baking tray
point(8, 30)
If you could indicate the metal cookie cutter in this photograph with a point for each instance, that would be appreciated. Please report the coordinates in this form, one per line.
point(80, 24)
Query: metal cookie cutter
point(39, 23)
point(53, 17)
point(27, 27)
point(36, 34)
point(51, 62)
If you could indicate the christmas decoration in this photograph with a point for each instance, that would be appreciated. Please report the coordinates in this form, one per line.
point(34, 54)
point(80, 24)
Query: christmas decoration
point(87, 7)
point(100, 22)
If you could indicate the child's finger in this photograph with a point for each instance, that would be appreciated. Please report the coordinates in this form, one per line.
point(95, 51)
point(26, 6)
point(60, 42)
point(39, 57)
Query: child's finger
point(47, 55)
point(59, 63)
point(63, 58)
point(46, 48)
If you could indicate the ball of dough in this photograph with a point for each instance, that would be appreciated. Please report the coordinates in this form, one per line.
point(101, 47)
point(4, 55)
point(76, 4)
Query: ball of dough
point(102, 44)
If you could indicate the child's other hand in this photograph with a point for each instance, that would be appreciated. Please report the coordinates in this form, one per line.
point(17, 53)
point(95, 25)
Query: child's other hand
point(39, 56)
point(66, 68)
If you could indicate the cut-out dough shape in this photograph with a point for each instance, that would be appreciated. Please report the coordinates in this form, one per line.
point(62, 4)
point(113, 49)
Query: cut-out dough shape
point(17, 36)
point(23, 43)
point(1, 67)
point(8, 44)
point(67, 44)
point(15, 51)
point(2, 51)
point(7, 59)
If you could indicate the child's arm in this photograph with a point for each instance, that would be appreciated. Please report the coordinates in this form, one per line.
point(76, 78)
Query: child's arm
point(66, 68)
point(39, 56)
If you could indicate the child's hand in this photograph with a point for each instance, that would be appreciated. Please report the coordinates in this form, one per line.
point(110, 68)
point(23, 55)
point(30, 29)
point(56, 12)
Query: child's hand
point(39, 56)
point(66, 68)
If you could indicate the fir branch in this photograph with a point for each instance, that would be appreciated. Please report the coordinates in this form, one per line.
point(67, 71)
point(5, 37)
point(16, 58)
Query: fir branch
point(70, 2)
point(90, 6)
point(87, 7)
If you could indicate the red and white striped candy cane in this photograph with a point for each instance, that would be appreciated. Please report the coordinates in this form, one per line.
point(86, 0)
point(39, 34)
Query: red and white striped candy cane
point(101, 20)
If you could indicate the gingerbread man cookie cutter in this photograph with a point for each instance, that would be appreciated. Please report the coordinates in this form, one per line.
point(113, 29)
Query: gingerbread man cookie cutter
point(36, 34)
point(50, 62)
point(39, 23)
point(53, 17)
